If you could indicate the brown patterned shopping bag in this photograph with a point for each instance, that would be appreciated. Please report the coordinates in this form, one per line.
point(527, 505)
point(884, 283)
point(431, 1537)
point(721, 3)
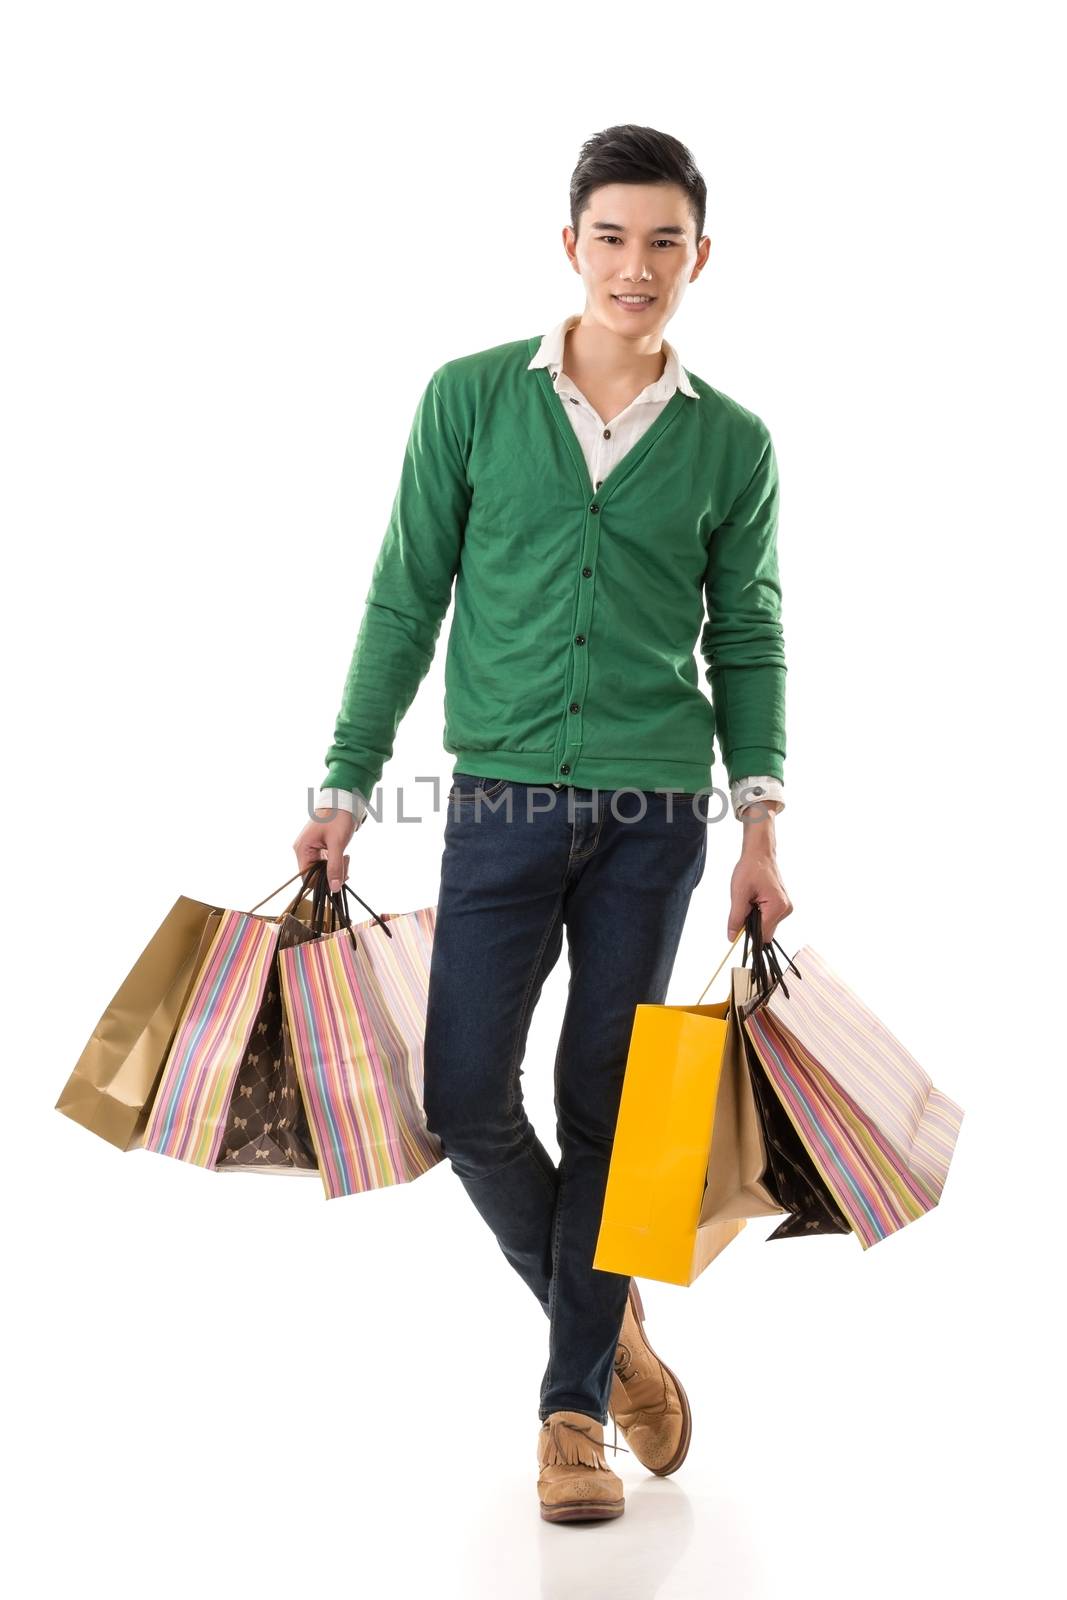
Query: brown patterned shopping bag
point(266, 1127)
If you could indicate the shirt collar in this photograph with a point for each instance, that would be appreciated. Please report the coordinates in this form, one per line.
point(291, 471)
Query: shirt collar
point(550, 354)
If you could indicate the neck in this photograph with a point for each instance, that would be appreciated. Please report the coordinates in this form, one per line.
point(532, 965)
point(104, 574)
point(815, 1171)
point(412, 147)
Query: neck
point(599, 354)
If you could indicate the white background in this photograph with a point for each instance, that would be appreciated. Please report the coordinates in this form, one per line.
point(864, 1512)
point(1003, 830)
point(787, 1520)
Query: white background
point(238, 238)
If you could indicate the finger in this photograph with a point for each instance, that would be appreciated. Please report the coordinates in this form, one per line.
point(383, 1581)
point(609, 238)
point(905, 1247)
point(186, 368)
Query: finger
point(335, 868)
point(739, 911)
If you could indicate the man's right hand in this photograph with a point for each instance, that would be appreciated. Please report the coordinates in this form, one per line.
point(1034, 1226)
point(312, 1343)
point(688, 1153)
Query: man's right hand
point(324, 839)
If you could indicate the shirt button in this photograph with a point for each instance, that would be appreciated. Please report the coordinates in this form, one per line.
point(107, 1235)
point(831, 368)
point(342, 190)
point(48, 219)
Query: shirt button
point(607, 433)
point(563, 767)
point(598, 483)
point(594, 507)
point(579, 638)
point(572, 400)
point(587, 572)
point(575, 706)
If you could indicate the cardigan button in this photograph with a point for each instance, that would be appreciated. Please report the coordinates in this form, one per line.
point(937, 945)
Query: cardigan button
point(579, 638)
point(594, 507)
point(587, 572)
point(563, 767)
point(576, 707)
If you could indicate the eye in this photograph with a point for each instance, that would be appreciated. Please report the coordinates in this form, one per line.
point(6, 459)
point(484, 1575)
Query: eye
point(609, 238)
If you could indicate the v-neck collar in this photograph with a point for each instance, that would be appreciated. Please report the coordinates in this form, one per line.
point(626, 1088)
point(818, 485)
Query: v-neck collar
point(626, 463)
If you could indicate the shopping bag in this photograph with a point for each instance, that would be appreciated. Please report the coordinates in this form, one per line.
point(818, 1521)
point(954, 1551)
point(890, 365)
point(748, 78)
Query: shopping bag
point(355, 1007)
point(739, 1181)
point(111, 1088)
point(265, 1128)
point(684, 1096)
point(190, 1110)
point(878, 1132)
point(791, 1177)
point(758, 1165)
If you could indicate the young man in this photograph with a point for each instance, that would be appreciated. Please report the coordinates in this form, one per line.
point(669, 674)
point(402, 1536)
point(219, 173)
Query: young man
point(588, 495)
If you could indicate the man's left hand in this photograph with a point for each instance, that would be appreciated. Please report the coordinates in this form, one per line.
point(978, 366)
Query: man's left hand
point(756, 880)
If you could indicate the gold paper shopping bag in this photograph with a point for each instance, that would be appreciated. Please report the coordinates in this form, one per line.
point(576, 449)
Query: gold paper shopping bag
point(111, 1087)
point(117, 1075)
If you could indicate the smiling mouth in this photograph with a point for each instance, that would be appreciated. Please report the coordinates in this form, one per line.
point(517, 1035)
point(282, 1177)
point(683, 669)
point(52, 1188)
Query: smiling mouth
point(635, 300)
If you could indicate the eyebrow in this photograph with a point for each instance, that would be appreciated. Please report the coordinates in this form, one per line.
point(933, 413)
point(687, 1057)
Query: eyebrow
point(618, 227)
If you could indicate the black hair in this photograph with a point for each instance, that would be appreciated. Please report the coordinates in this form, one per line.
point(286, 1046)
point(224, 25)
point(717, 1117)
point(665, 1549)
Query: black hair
point(628, 153)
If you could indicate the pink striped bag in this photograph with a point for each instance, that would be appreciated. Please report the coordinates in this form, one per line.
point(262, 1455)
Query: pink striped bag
point(355, 1006)
point(879, 1133)
point(222, 1024)
point(187, 1119)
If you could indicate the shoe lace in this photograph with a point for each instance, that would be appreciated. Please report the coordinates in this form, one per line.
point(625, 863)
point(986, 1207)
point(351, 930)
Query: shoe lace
point(561, 1422)
point(624, 1366)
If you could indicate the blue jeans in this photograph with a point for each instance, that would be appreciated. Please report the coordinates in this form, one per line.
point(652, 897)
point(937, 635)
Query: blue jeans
point(520, 862)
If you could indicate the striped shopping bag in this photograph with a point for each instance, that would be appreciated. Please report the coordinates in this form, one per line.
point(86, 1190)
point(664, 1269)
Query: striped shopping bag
point(231, 1017)
point(188, 1114)
point(878, 1132)
point(355, 1007)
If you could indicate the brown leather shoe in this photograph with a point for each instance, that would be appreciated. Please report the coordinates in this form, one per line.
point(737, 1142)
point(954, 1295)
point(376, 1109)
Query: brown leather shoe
point(575, 1483)
point(647, 1401)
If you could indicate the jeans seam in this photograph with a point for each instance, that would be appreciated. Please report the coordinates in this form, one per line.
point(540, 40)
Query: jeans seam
point(520, 1026)
point(581, 854)
point(550, 1376)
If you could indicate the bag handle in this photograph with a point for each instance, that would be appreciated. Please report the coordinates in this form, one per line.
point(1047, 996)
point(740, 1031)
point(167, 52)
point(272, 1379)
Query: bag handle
point(278, 890)
point(766, 969)
point(315, 878)
point(300, 893)
point(337, 906)
point(335, 902)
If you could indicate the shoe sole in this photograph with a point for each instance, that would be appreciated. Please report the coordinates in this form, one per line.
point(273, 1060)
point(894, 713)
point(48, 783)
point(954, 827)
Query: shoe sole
point(687, 1418)
point(582, 1511)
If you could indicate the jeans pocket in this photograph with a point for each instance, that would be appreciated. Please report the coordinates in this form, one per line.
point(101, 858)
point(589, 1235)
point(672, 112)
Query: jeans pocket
point(467, 785)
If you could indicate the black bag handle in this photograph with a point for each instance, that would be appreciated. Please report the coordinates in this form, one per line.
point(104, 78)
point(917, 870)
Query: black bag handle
point(338, 905)
point(766, 968)
point(315, 879)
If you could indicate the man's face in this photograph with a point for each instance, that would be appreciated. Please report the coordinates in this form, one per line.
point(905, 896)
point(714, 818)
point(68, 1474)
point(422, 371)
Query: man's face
point(636, 239)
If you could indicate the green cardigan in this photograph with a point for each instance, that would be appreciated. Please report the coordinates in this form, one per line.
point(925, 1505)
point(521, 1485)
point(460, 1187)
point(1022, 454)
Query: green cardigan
point(577, 612)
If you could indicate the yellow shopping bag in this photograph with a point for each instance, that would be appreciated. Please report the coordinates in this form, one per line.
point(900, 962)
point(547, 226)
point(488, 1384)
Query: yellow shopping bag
point(651, 1225)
